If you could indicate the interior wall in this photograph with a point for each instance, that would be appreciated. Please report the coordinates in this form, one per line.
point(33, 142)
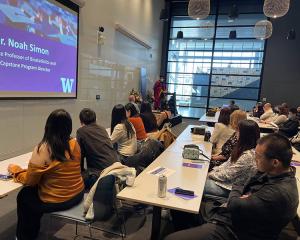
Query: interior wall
point(110, 71)
point(281, 76)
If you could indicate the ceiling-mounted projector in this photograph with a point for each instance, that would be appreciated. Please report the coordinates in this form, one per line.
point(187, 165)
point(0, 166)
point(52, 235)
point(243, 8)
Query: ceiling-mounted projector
point(80, 3)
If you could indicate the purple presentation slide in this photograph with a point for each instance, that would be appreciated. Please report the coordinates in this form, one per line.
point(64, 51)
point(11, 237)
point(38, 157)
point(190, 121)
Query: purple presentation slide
point(38, 49)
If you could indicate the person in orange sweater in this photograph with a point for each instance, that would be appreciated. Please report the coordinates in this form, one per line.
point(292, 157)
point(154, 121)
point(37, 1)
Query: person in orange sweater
point(136, 121)
point(53, 179)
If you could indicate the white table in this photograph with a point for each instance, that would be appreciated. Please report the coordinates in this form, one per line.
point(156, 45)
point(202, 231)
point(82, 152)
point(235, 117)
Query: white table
point(8, 186)
point(146, 185)
point(261, 125)
point(212, 120)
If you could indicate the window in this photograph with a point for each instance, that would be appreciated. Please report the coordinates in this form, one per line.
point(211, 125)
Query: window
point(208, 72)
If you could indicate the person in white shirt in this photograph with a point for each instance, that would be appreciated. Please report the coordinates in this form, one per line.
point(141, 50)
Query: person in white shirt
point(239, 167)
point(280, 117)
point(268, 112)
point(123, 133)
point(222, 131)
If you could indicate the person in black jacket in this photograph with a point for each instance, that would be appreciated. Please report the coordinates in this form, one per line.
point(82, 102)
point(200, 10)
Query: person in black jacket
point(96, 147)
point(290, 127)
point(258, 210)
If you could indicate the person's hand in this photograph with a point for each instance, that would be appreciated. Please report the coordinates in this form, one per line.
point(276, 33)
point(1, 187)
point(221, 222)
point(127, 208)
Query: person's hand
point(216, 157)
point(11, 168)
point(245, 196)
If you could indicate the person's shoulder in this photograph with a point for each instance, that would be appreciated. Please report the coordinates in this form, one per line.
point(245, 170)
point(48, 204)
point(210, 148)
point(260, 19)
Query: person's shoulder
point(40, 155)
point(220, 125)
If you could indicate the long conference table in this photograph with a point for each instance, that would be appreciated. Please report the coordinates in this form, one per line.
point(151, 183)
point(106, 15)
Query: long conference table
point(186, 174)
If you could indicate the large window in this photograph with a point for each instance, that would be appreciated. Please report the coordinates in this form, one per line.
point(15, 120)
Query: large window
point(208, 69)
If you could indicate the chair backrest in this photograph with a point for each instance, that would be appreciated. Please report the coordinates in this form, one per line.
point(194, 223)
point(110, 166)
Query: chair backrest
point(104, 198)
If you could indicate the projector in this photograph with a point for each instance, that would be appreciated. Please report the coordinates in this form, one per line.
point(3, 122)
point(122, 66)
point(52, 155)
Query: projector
point(80, 3)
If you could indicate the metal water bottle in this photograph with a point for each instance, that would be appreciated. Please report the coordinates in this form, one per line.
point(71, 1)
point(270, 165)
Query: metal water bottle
point(162, 186)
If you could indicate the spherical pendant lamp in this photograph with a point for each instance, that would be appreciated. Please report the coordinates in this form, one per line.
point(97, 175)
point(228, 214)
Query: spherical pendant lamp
point(276, 8)
point(263, 29)
point(199, 9)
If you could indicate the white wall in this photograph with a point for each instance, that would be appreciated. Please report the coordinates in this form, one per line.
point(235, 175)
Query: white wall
point(112, 74)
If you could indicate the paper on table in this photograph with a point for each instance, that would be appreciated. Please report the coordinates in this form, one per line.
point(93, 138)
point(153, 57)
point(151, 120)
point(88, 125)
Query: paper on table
point(161, 170)
point(295, 163)
point(186, 197)
point(192, 165)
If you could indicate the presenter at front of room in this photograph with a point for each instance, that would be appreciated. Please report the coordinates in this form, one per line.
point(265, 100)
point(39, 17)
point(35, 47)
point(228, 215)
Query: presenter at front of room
point(160, 92)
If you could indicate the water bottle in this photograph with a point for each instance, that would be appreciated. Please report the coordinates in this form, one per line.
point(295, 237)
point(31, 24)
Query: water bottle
point(162, 186)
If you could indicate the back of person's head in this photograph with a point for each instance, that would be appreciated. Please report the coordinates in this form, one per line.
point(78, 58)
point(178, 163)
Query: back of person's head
point(224, 116)
point(277, 147)
point(267, 106)
point(285, 105)
point(131, 98)
point(146, 107)
point(57, 134)
point(129, 107)
point(293, 110)
point(283, 110)
point(87, 116)
point(232, 102)
point(236, 117)
point(248, 135)
point(118, 116)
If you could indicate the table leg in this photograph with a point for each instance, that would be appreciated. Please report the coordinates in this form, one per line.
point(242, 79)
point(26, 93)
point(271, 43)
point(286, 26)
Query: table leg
point(156, 218)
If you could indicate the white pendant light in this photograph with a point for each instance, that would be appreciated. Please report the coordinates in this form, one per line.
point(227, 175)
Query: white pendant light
point(263, 29)
point(199, 9)
point(276, 8)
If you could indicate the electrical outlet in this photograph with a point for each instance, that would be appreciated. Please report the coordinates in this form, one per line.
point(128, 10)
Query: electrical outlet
point(98, 97)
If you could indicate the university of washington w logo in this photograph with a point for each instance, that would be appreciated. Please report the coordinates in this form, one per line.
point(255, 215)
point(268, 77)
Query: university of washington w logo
point(67, 84)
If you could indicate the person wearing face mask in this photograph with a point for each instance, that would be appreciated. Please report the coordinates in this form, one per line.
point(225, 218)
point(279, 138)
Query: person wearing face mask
point(160, 90)
point(290, 127)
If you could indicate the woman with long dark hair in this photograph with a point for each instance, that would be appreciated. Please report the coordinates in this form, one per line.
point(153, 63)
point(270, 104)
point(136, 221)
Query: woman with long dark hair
point(53, 179)
point(123, 132)
point(241, 164)
point(148, 117)
point(136, 120)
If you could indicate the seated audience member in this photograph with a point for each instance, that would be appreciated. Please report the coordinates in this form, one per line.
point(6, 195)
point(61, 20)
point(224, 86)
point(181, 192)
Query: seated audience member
point(268, 112)
point(285, 105)
point(172, 104)
point(233, 106)
point(222, 131)
point(280, 117)
point(298, 113)
point(256, 210)
point(131, 99)
point(290, 127)
point(224, 155)
point(136, 121)
point(95, 144)
point(53, 179)
point(122, 132)
point(241, 164)
point(148, 118)
point(258, 110)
